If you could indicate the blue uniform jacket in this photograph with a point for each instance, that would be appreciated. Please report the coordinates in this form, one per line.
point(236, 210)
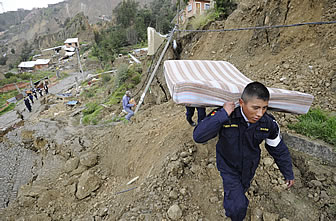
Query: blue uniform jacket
point(237, 150)
point(125, 102)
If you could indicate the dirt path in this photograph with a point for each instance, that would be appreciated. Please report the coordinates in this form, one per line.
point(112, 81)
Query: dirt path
point(9, 118)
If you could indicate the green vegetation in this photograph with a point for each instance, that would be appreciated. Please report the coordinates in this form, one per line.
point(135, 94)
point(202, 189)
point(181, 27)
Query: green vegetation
point(27, 52)
point(225, 7)
point(204, 19)
point(91, 113)
point(8, 108)
point(24, 77)
point(131, 28)
point(317, 124)
point(109, 91)
point(5, 96)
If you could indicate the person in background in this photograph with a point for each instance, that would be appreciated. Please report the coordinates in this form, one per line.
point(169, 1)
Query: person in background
point(127, 105)
point(39, 90)
point(31, 97)
point(19, 114)
point(46, 89)
point(34, 93)
point(190, 113)
point(27, 103)
point(241, 130)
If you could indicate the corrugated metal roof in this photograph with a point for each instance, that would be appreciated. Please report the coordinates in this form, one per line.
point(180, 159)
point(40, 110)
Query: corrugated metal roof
point(71, 40)
point(42, 61)
point(27, 64)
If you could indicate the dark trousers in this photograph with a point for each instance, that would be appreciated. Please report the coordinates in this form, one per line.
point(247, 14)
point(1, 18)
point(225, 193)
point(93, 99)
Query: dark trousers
point(235, 202)
point(200, 112)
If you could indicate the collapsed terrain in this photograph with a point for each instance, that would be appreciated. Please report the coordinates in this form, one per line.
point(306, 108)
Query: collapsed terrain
point(81, 172)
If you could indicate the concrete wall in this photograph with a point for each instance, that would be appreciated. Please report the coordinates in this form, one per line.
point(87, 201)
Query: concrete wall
point(313, 148)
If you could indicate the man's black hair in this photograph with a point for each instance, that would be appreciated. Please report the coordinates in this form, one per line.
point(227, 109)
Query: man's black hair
point(255, 89)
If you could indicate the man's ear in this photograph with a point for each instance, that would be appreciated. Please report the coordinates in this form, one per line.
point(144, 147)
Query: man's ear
point(241, 102)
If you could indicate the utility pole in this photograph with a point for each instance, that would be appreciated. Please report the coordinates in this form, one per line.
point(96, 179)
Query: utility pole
point(154, 71)
point(3, 9)
point(79, 63)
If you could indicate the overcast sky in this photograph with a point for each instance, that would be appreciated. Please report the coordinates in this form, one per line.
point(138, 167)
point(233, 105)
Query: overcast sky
point(13, 5)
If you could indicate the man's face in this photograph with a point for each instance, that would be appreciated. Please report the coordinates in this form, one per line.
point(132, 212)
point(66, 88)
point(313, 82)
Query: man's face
point(254, 108)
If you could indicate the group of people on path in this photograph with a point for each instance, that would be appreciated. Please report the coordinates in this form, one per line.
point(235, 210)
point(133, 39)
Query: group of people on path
point(29, 98)
point(240, 130)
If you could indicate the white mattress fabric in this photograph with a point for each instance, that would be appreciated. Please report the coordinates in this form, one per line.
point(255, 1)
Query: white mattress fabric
point(212, 83)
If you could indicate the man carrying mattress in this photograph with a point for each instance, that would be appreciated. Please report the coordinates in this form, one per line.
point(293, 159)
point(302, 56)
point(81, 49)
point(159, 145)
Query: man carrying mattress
point(241, 130)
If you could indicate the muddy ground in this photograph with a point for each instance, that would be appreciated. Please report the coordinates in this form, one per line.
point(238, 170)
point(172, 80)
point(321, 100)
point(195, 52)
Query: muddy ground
point(82, 172)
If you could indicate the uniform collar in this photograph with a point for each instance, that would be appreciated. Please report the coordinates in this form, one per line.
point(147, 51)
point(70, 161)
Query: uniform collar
point(242, 113)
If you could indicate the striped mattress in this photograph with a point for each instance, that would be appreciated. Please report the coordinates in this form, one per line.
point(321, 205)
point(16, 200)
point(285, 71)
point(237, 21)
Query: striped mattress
point(212, 83)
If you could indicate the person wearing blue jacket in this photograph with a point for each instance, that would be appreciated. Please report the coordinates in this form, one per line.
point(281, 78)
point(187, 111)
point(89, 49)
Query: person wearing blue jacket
point(241, 130)
point(127, 106)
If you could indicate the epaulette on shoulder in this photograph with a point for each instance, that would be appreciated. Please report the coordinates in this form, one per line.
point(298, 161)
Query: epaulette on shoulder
point(213, 112)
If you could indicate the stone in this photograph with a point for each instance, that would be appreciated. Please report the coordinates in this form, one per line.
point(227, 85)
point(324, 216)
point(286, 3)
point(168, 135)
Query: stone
point(256, 215)
point(89, 159)
point(80, 169)
point(275, 166)
point(173, 195)
point(195, 169)
point(284, 219)
point(87, 183)
point(268, 161)
point(270, 216)
point(213, 199)
point(184, 154)
point(316, 183)
point(286, 66)
point(71, 164)
point(174, 212)
point(183, 191)
point(324, 195)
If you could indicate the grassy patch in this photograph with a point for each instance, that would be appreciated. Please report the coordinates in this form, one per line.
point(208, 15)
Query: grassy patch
point(5, 96)
point(317, 124)
point(200, 21)
point(91, 113)
point(8, 108)
point(25, 77)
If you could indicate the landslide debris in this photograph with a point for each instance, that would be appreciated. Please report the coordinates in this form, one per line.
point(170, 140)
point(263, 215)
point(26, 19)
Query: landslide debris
point(81, 172)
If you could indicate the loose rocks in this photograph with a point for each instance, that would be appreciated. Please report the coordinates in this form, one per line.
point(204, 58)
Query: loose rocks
point(88, 183)
point(174, 212)
point(89, 159)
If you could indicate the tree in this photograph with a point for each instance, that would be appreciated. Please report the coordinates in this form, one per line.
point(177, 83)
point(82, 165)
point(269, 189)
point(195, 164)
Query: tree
point(126, 12)
point(3, 60)
point(26, 51)
point(225, 7)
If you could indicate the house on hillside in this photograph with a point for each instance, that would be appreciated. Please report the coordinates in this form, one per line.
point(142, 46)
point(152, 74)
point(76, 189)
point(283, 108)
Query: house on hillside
point(198, 7)
point(41, 64)
point(34, 65)
point(71, 43)
point(26, 66)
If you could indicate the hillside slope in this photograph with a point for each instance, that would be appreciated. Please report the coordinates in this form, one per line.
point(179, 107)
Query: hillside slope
point(83, 172)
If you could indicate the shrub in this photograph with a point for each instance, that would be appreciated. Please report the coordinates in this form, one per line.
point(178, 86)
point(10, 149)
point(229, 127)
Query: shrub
point(106, 78)
point(317, 124)
point(122, 75)
point(91, 113)
point(25, 76)
point(9, 74)
point(204, 19)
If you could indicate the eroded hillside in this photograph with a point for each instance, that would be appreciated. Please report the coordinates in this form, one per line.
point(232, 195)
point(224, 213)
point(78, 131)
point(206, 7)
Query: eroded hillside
point(82, 171)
